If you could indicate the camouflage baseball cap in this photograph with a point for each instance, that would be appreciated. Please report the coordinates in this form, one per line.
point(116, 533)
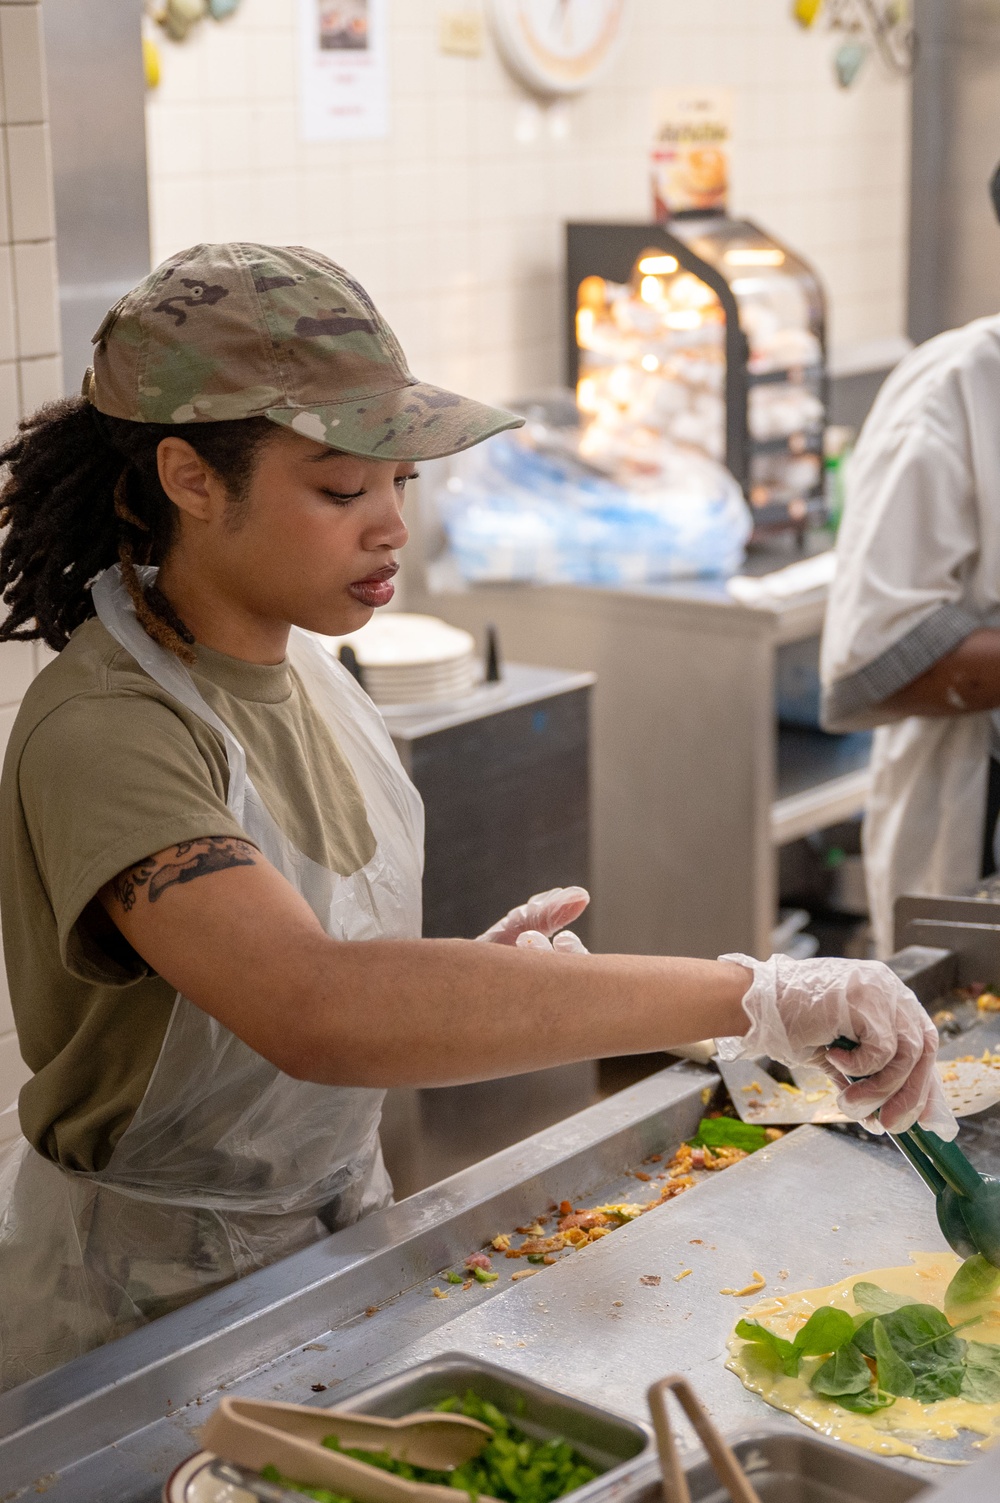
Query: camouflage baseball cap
point(241, 330)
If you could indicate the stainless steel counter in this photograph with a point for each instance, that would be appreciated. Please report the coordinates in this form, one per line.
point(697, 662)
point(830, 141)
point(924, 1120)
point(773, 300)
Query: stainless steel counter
point(819, 1204)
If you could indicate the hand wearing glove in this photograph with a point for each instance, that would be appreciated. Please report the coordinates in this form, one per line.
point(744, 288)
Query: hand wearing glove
point(565, 943)
point(798, 1007)
point(544, 914)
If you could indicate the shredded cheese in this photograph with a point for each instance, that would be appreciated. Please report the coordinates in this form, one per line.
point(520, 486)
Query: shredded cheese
point(758, 1283)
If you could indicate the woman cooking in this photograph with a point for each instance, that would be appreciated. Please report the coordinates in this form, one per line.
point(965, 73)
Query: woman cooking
point(199, 806)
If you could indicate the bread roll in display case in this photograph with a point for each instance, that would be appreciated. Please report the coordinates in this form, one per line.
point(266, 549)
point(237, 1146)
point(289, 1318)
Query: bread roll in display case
point(708, 333)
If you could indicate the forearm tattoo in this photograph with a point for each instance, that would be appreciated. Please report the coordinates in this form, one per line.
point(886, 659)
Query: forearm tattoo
point(190, 859)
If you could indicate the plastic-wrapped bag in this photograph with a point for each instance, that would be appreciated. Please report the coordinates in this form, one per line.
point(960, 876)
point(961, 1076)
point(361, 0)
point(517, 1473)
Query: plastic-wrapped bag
point(525, 506)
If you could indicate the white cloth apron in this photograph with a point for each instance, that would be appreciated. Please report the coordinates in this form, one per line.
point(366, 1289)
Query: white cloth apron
point(228, 1163)
point(923, 829)
point(921, 536)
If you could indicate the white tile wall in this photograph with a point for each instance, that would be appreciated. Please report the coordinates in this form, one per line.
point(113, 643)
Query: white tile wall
point(454, 222)
point(30, 370)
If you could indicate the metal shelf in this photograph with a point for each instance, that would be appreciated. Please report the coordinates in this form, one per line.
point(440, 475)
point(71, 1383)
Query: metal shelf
point(801, 814)
point(794, 375)
point(810, 438)
point(821, 779)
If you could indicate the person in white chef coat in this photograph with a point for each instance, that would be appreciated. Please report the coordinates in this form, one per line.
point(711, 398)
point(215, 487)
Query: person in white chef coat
point(912, 637)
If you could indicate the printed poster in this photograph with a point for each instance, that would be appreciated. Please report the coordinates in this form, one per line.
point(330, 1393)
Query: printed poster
point(343, 70)
point(689, 158)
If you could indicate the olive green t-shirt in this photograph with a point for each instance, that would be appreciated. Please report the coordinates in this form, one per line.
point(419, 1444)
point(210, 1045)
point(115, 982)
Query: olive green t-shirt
point(103, 768)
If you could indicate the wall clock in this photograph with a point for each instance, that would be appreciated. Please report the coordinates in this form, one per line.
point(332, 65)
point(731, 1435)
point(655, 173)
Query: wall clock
point(557, 46)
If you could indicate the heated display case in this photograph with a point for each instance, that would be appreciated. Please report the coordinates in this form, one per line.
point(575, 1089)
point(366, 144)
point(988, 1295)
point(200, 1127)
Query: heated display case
point(708, 333)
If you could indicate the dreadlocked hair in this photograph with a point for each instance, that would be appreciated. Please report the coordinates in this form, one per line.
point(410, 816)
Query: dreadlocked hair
point(82, 492)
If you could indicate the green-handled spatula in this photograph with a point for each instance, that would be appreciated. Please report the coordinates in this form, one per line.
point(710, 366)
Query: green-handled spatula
point(968, 1203)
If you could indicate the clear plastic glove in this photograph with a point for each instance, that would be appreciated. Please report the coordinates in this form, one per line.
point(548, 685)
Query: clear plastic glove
point(798, 1007)
point(546, 913)
point(565, 943)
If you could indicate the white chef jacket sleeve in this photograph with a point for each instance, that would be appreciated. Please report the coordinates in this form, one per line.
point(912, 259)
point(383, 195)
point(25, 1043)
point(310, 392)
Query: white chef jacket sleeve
point(909, 536)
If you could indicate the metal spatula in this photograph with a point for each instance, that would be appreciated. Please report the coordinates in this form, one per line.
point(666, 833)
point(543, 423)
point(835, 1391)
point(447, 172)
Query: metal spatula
point(969, 1086)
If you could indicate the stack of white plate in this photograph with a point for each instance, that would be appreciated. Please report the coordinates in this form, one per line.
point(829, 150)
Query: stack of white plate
point(408, 659)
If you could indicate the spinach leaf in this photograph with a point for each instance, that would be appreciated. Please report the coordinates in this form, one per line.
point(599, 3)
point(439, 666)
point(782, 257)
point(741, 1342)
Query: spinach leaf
point(981, 1382)
point(878, 1301)
point(894, 1375)
point(826, 1330)
point(774, 1350)
point(976, 1280)
point(729, 1132)
point(864, 1335)
point(846, 1372)
point(922, 1336)
point(865, 1403)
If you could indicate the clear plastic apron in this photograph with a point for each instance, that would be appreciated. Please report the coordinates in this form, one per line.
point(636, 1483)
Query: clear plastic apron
point(228, 1163)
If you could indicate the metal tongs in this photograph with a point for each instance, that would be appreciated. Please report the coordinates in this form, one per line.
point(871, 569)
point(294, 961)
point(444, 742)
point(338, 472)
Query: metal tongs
point(967, 1202)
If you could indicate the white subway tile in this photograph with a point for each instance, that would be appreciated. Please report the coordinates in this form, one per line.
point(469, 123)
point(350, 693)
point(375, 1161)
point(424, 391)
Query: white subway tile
point(41, 381)
point(273, 128)
point(10, 401)
point(43, 656)
point(21, 54)
point(29, 170)
point(5, 234)
point(6, 1013)
point(13, 1074)
point(35, 299)
point(8, 328)
point(175, 138)
point(272, 71)
point(226, 62)
point(8, 714)
point(17, 669)
point(231, 142)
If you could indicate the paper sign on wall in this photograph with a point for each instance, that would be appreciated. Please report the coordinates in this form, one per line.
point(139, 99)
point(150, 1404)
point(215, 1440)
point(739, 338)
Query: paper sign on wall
point(690, 151)
point(343, 70)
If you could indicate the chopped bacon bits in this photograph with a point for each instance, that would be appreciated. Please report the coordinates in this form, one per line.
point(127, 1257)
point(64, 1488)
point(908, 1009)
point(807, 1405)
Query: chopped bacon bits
point(585, 1220)
point(577, 1228)
point(536, 1245)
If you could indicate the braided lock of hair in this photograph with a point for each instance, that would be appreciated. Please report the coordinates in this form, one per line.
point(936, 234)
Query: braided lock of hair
point(82, 492)
point(168, 630)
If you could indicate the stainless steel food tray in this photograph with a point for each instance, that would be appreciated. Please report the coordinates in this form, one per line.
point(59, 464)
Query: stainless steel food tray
point(620, 1449)
point(794, 1469)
